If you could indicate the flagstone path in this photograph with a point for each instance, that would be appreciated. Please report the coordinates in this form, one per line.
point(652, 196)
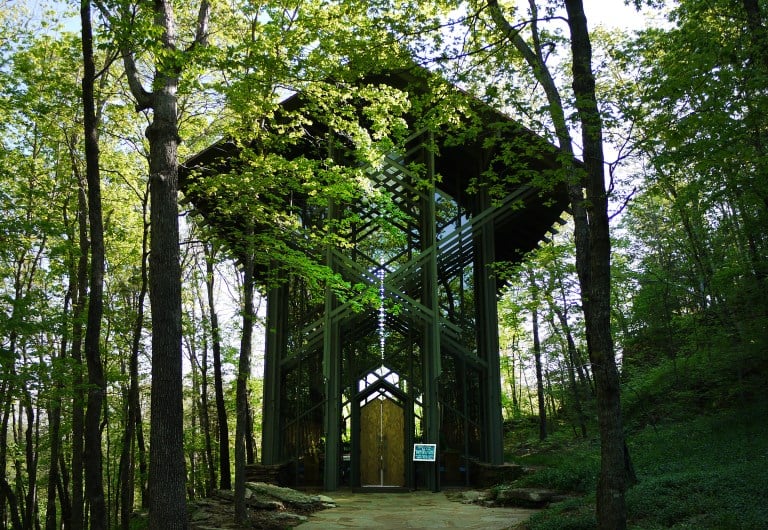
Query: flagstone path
point(415, 510)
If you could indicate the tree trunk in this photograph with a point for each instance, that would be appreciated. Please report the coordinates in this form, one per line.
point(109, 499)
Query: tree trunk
point(205, 419)
point(167, 470)
point(30, 458)
point(755, 117)
point(570, 366)
point(550, 396)
point(7, 493)
point(596, 284)
point(218, 384)
point(78, 399)
point(167, 478)
point(250, 446)
point(525, 384)
point(192, 433)
point(135, 404)
point(205, 407)
point(125, 483)
point(62, 486)
point(592, 242)
point(539, 375)
point(133, 418)
point(96, 383)
point(583, 371)
point(509, 368)
point(54, 415)
point(7, 396)
point(243, 375)
point(196, 481)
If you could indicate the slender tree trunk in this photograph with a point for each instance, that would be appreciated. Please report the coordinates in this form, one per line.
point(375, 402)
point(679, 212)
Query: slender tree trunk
point(583, 371)
point(109, 483)
point(194, 479)
point(570, 362)
point(78, 400)
point(250, 448)
point(141, 447)
point(124, 504)
point(205, 408)
point(525, 385)
point(539, 376)
point(550, 395)
point(537, 357)
point(17, 428)
point(9, 386)
point(62, 486)
point(8, 493)
point(243, 375)
point(699, 249)
point(198, 478)
point(54, 415)
point(509, 368)
point(7, 396)
point(96, 383)
point(218, 384)
point(134, 426)
point(135, 401)
point(30, 458)
point(596, 286)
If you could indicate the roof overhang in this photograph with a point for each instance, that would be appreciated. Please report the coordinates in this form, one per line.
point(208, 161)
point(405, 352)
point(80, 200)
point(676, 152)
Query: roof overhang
point(526, 163)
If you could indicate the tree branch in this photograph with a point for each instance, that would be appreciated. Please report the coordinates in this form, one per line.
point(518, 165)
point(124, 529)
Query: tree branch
point(513, 34)
point(540, 71)
point(142, 96)
point(201, 31)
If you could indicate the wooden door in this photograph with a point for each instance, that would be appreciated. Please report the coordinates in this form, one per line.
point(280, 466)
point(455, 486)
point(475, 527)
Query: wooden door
point(382, 443)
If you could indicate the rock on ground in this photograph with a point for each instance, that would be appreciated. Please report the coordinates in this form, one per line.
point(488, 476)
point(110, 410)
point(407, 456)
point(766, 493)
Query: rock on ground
point(269, 508)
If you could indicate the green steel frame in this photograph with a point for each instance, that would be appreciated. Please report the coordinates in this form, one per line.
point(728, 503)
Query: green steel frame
point(433, 345)
point(426, 245)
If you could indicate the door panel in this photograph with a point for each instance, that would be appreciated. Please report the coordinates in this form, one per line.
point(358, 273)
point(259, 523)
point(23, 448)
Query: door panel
point(382, 444)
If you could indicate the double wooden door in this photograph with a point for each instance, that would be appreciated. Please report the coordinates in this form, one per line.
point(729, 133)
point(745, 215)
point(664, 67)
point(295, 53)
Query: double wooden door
point(382, 443)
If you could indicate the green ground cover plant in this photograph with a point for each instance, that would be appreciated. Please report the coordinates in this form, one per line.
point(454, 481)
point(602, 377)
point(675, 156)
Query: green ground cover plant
point(704, 468)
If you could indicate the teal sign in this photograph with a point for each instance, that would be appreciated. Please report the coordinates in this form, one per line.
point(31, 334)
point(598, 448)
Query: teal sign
point(424, 452)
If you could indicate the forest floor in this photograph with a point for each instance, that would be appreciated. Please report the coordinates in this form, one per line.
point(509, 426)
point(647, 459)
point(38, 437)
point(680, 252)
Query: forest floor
point(707, 470)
